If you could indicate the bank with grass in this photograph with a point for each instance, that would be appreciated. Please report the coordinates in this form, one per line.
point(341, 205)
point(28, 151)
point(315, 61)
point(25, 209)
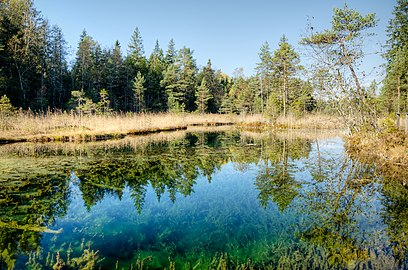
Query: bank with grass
point(71, 127)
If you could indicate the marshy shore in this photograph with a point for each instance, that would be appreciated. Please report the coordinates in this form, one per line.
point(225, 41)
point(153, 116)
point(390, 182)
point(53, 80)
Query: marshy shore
point(66, 127)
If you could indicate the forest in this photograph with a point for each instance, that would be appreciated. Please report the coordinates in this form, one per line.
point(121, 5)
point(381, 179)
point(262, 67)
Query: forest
point(35, 74)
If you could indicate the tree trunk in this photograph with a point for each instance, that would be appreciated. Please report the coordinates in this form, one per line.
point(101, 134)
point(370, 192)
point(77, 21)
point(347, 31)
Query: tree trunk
point(399, 94)
point(285, 95)
point(262, 101)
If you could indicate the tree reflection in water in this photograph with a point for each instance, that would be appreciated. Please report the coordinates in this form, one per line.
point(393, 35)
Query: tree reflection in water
point(335, 195)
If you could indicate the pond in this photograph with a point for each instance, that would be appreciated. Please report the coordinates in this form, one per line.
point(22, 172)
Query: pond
point(199, 200)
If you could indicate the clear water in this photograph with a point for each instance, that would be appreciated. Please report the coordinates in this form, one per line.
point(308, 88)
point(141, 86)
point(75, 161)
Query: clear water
point(199, 201)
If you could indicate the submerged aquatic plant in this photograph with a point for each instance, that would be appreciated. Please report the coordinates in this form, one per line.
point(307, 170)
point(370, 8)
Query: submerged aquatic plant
point(194, 203)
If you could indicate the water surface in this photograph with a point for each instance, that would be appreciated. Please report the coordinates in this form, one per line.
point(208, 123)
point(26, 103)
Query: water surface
point(199, 200)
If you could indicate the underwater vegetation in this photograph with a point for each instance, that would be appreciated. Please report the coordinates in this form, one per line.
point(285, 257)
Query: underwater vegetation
point(199, 200)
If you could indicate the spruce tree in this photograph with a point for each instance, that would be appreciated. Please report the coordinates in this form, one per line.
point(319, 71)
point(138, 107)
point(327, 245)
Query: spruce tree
point(285, 64)
point(139, 92)
point(264, 71)
point(203, 95)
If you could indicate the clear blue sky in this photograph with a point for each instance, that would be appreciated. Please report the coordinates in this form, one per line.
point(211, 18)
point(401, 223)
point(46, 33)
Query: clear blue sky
point(229, 32)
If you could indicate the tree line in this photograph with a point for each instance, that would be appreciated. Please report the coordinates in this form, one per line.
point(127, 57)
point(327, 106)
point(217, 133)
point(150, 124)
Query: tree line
point(35, 73)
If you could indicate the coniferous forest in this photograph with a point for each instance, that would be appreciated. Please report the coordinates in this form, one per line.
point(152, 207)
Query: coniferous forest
point(36, 75)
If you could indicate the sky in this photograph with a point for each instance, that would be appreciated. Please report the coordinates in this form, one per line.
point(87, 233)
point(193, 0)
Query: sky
point(229, 32)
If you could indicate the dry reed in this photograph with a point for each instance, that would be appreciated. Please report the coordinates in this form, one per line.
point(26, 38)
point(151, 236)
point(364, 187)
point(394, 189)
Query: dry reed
point(27, 126)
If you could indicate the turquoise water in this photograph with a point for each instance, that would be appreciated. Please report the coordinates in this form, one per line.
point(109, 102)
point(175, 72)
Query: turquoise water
point(198, 201)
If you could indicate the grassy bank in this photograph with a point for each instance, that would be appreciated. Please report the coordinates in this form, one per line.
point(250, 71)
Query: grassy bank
point(66, 127)
point(389, 150)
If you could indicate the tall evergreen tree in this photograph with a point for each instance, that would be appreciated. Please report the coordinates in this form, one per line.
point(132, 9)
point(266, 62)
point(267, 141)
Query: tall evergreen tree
point(171, 53)
point(214, 83)
point(264, 70)
point(84, 62)
point(395, 90)
point(179, 80)
point(58, 78)
point(22, 56)
point(136, 52)
point(203, 95)
point(397, 30)
point(285, 64)
point(188, 72)
point(173, 87)
point(116, 79)
point(156, 99)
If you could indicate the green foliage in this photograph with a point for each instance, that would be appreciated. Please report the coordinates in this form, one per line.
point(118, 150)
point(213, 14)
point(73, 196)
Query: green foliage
point(301, 101)
point(136, 51)
point(285, 65)
point(179, 82)
point(227, 105)
point(203, 95)
point(215, 82)
point(348, 24)
point(274, 106)
point(156, 99)
point(397, 30)
point(5, 106)
point(33, 68)
point(171, 53)
point(338, 53)
point(264, 70)
point(104, 102)
point(395, 90)
point(388, 126)
point(139, 92)
point(82, 104)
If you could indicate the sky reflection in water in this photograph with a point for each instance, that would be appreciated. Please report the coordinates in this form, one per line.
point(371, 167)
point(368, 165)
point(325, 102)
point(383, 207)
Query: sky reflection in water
point(209, 198)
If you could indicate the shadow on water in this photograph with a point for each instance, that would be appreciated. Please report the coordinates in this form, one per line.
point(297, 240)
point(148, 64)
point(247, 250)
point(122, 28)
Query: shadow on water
point(199, 200)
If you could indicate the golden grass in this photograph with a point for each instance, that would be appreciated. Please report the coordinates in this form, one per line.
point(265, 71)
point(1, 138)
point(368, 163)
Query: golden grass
point(304, 134)
point(389, 147)
point(60, 126)
point(26, 126)
point(388, 150)
point(312, 121)
point(309, 121)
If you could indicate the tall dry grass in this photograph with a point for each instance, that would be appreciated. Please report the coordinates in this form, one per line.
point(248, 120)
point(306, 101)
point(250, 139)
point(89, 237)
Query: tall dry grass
point(52, 126)
point(26, 124)
point(311, 121)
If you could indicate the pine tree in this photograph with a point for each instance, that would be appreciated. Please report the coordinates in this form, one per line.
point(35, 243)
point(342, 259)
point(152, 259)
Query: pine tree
point(187, 77)
point(397, 30)
point(57, 69)
point(84, 63)
point(172, 86)
point(214, 83)
point(395, 90)
point(264, 71)
point(139, 92)
point(285, 64)
point(104, 102)
point(203, 95)
point(155, 93)
point(136, 52)
point(23, 33)
point(171, 53)
point(339, 52)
